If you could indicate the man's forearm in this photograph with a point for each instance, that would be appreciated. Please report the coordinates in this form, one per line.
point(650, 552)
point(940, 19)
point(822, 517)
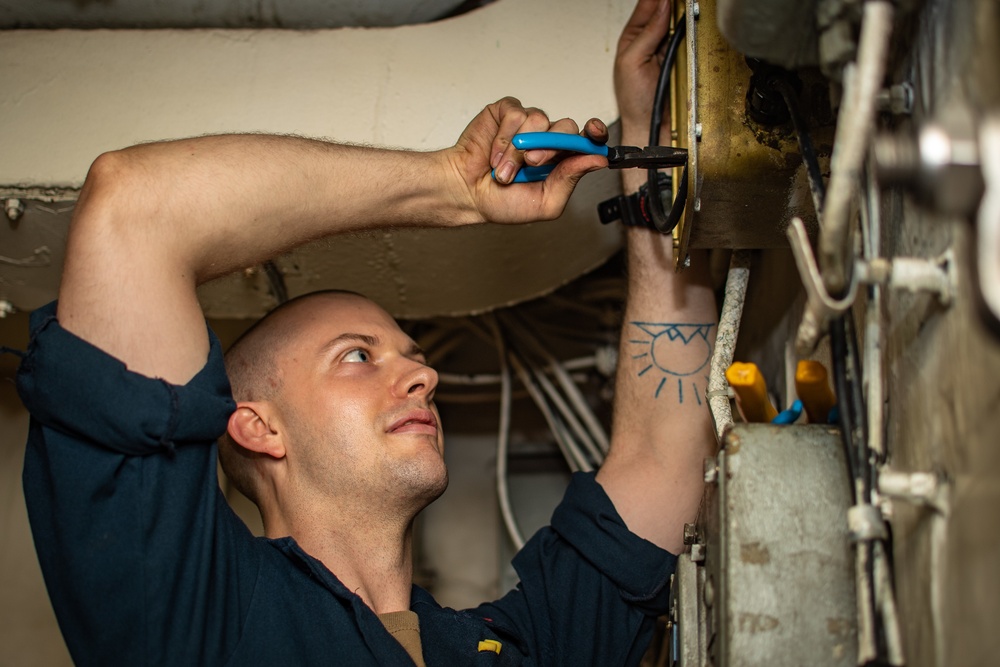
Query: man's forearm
point(225, 202)
point(662, 428)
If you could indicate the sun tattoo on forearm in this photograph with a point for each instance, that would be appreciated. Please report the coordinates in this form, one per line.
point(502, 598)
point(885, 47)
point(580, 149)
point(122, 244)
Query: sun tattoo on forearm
point(657, 356)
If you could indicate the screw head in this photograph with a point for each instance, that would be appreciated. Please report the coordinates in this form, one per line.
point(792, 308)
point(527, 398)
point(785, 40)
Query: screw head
point(14, 209)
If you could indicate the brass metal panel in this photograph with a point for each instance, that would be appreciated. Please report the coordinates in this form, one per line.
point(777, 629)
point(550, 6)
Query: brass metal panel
point(746, 182)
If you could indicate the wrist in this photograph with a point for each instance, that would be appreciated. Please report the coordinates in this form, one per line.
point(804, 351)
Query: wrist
point(458, 205)
point(633, 179)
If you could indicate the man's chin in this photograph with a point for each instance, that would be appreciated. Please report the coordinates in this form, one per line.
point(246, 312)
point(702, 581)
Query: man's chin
point(425, 483)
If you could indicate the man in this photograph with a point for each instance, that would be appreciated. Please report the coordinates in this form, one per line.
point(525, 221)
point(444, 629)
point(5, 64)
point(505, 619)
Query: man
point(333, 430)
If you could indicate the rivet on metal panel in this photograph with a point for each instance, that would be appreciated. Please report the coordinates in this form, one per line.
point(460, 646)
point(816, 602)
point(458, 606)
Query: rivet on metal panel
point(697, 204)
point(14, 208)
point(697, 131)
point(690, 534)
point(696, 10)
point(697, 553)
point(711, 471)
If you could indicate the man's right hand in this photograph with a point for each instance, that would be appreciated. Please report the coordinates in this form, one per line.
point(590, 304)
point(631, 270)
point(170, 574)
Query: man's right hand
point(485, 145)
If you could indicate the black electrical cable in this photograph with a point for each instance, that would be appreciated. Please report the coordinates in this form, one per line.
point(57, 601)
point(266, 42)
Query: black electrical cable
point(839, 355)
point(854, 434)
point(663, 222)
point(860, 413)
point(847, 372)
point(851, 404)
point(809, 157)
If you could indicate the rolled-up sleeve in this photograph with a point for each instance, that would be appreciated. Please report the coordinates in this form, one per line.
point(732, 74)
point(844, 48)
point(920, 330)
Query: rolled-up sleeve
point(589, 588)
point(144, 561)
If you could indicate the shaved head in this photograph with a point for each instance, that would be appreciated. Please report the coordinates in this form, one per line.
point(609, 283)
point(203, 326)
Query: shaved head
point(255, 375)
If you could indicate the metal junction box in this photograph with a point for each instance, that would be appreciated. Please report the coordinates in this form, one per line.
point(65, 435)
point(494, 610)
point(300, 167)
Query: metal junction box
point(769, 578)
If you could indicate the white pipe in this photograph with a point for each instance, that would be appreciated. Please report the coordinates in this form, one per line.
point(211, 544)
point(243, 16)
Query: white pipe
point(574, 457)
point(568, 416)
point(725, 341)
point(573, 393)
point(872, 362)
point(855, 124)
point(988, 219)
point(503, 441)
point(885, 596)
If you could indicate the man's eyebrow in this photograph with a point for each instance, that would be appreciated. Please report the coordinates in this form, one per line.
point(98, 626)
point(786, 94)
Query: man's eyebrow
point(416, 351)
point(370, 341)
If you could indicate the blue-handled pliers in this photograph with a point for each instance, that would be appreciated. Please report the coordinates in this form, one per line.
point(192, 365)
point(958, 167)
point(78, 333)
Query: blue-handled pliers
point(619, 157)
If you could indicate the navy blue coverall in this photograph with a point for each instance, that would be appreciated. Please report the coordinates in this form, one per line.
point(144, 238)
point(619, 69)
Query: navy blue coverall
point(146, 564)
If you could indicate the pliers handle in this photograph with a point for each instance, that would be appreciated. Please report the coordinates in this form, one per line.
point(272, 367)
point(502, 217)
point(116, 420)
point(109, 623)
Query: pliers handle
point(619, 157)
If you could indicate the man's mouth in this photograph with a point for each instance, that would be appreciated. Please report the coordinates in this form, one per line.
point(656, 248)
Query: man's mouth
point(415, 421)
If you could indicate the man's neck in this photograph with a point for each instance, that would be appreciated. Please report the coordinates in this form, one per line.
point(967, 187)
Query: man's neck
point(371, 556)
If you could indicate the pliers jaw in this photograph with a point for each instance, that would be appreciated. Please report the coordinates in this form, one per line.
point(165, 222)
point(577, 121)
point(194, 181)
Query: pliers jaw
point(651, 157)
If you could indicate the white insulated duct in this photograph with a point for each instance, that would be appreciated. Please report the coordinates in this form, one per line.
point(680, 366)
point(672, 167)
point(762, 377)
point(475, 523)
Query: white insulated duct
point(70, 95)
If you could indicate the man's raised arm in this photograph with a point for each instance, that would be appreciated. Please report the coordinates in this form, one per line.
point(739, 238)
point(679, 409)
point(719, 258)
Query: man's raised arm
point(154, 221)
point(662, 429)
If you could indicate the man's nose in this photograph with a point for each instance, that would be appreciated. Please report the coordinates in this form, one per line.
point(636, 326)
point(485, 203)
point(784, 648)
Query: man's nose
point(418, 380)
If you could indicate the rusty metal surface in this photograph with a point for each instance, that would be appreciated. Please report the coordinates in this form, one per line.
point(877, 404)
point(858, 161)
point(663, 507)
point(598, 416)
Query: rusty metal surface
point(746, 182)
point(943, 372)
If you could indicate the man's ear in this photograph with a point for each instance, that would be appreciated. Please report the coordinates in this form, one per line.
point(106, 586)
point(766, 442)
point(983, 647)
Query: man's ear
point(249, 427)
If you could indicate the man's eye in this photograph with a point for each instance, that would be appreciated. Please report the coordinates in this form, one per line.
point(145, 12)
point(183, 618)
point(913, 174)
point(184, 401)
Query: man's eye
point(355, 356)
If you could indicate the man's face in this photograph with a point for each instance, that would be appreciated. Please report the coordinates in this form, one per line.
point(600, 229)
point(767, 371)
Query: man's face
point(356, 406)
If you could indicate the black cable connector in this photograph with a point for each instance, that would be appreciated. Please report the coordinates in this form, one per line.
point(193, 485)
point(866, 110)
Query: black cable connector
point(633, 209)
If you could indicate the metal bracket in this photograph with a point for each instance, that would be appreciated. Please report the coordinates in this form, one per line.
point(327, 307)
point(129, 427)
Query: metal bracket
point(915, 274)
point(918, 488)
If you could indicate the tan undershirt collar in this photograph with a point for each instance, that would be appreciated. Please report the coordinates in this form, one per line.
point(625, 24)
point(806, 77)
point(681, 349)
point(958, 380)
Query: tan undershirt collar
point(405, 627)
